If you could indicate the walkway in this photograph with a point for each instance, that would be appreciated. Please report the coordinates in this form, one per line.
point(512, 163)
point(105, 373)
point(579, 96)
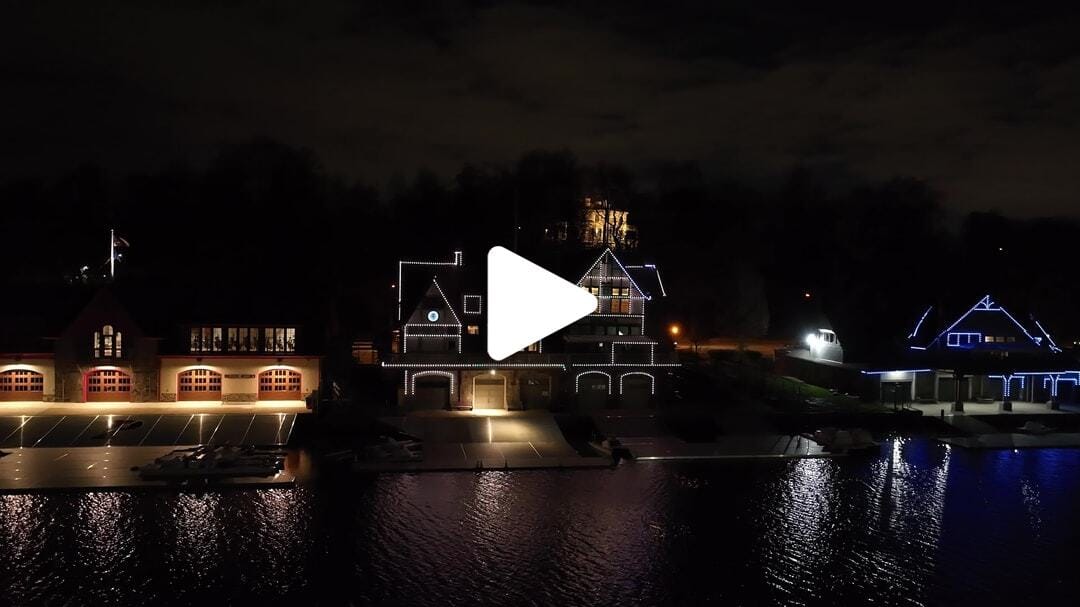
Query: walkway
point(159, 408)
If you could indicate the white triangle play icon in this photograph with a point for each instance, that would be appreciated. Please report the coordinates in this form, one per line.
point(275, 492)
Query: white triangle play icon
point(526, 303)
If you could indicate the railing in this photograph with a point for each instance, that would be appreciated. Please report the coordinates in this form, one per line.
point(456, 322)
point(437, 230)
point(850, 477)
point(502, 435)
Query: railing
point(635, 358)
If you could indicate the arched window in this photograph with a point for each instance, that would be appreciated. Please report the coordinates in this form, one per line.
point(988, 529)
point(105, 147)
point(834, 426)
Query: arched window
point(107, 343)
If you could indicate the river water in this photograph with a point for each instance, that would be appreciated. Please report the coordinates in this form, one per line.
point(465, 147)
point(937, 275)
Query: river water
point(922, 524)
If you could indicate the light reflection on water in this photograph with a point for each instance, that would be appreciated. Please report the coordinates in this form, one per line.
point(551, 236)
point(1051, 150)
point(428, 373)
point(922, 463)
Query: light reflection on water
point(921, 524)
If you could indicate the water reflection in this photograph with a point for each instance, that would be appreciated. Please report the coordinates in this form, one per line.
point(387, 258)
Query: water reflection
point(798, 534)
point(198, 534)
point(919, 524)
point(24, 524)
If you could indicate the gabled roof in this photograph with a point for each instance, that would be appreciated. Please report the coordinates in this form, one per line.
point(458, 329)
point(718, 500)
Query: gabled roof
point(647, 276)
point(434, 299)
point(986, 317)
point(620, 269)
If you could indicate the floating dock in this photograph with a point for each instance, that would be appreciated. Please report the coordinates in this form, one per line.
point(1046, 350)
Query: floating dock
point(101, 468)
point(726, 447)
point(1015, 440)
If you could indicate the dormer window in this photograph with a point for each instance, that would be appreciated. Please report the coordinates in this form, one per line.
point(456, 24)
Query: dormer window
point(108, 343)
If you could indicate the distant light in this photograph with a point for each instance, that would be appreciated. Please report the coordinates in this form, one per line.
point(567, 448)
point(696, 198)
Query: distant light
point(491, 372)
point(674, 330)
point(806, 295)
point(1001, 249)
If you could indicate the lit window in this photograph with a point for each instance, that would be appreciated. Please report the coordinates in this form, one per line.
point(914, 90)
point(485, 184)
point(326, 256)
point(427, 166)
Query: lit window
point(473, 330)
point(963, 339)
point(107, 343)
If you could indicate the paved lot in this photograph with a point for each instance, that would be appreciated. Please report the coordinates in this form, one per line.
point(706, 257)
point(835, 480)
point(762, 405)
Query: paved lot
point(144, 430)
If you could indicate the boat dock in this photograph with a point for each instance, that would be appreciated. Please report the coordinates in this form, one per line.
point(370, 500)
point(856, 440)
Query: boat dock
point(52, 452)
point(101, 468)
point(725, 447)
point(1016, 440)
point(466, 441)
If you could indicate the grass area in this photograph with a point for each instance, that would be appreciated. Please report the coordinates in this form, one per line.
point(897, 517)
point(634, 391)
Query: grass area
point(789, 393)
point(746, 379)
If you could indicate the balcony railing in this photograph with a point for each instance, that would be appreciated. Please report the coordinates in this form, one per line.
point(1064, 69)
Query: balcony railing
point(480, 358)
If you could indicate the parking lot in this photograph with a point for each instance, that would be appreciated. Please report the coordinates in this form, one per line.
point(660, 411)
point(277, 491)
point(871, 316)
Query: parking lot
point(145, 430)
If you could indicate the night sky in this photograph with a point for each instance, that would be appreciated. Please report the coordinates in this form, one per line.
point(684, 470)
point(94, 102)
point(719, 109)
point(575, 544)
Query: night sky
point(979, 102)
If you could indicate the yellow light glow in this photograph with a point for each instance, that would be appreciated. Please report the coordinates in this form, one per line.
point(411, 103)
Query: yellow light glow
point(674, 330)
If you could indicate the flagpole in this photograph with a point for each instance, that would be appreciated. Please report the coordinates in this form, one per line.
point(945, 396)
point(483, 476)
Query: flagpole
point(112, 254)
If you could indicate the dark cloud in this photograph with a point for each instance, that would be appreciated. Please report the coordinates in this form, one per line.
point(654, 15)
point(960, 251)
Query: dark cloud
point(978, 100)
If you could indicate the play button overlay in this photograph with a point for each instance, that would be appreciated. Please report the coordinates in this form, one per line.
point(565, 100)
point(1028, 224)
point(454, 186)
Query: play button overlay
point(526, 303)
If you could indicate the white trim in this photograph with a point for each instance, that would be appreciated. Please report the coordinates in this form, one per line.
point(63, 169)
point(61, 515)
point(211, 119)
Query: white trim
point(439, 373)
point(652, 385)
point(577, 380)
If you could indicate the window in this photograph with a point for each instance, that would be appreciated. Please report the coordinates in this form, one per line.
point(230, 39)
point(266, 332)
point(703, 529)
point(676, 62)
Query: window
point(207, 339)
point(108, 343)
point(279, 339)
point(473, 330)
point(962, 340)
point(533, 347)
point(472, 304)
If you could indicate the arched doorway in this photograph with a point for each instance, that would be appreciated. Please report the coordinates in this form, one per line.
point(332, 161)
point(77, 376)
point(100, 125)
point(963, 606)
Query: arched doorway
point(108, 386)
point(593, 389)
point(489, 392)
point(431, 389)
point(636, 389)
point(279, 384)
point(198, 384)
point(21, 384)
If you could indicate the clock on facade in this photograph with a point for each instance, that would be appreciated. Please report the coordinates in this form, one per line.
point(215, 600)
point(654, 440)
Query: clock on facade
point(433, 316)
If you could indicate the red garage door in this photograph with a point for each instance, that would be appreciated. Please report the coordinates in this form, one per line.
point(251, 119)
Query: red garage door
point(21, 384)
point(108, 386)
point(279, 384)
point(199, 384)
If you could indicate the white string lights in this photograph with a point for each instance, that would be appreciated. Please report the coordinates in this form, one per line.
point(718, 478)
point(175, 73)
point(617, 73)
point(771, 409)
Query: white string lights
point(446, 374)
point(652, 380)
point(458, 262)
point(577, 380)
point(476, 301)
